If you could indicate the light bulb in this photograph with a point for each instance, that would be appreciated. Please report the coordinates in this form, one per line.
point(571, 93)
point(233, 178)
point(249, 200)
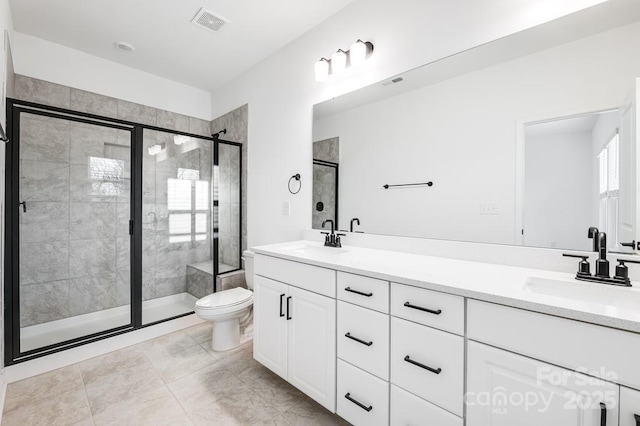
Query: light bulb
point(338, 62)
point(322, 70)
point(358, 52)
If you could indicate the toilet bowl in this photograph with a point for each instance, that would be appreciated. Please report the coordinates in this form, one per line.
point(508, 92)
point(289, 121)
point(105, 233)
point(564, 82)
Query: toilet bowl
point(228, 309)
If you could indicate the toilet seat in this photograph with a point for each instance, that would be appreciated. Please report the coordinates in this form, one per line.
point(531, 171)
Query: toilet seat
point(224, 299)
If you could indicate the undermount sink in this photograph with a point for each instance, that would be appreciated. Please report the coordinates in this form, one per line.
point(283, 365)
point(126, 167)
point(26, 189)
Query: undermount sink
point(601, 294)
point(314, 250)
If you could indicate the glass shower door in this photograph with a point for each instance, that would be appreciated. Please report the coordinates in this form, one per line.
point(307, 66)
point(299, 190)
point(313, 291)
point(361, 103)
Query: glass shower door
point(74, 243)
point(177, 248)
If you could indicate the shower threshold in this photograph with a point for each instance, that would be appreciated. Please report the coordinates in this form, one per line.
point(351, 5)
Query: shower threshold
point(49, 333)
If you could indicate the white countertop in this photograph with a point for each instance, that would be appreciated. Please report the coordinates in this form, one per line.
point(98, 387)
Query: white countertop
point(537, 290)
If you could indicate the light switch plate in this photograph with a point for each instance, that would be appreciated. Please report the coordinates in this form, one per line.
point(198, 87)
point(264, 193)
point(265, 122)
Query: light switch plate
point(286, 208)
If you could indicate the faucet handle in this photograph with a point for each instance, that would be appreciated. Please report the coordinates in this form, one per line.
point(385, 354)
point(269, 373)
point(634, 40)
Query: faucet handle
point(584, 269)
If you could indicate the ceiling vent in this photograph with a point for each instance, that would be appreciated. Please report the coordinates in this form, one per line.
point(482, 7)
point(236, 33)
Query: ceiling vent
point(208, 20)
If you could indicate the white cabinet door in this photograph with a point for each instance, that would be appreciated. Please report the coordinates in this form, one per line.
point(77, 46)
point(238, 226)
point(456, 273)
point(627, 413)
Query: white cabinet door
point(505, 389)
point(629, 407)
point(312, 346)
point(270, 324)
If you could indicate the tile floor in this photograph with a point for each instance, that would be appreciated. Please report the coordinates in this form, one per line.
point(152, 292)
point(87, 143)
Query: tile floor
point(172, 380)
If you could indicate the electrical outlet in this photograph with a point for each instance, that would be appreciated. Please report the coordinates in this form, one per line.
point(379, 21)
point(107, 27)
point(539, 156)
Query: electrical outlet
point(489, 209)
point(286, 208)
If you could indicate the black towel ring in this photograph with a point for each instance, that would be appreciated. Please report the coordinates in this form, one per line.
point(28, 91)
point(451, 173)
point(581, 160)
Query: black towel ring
point(296, 177)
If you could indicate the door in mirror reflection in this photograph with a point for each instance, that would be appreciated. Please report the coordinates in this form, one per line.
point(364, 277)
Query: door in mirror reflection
point(579, 173)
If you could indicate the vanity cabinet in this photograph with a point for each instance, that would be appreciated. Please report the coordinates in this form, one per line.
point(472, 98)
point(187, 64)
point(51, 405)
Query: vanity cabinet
point(629, 407)
point(295, 328)
point(508, 389)
point(393, 353)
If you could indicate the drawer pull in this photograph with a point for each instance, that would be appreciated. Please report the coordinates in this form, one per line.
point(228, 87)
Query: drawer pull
point(603, 414)
point(420, 308)
point(426, 367)
point(637, 417)
point(288, 316)
point(358, 292)
point(281, 297)
point(359, 404)
point(348, 335)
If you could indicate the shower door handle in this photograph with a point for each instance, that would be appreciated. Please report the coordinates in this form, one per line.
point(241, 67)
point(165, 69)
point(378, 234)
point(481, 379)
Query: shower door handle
point(24, 206)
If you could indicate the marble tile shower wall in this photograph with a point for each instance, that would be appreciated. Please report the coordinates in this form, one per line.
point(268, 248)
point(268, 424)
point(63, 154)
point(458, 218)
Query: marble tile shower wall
point(324, 182)
point(74, 243)
point(237, 123)
point(229, 205)
point(164, 260)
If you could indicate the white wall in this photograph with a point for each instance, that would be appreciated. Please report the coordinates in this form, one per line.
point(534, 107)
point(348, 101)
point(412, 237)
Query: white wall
point(461, 134)
point(558, 192)
point(52, 62)
point(281, 90)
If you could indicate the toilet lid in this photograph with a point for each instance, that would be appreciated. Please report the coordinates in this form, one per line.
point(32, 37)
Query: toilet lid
point(233, 296)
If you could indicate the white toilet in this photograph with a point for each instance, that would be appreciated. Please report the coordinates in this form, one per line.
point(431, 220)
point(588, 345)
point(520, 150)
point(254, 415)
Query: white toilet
point(228, 309)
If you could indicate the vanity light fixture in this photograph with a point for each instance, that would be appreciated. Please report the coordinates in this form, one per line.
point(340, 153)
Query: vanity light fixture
point(360, 51)
point(341, 60)
point(155, 149)
point(322, 69)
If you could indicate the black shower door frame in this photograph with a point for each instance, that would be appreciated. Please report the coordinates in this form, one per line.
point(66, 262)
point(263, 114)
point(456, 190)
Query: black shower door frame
point(11, 289)
point(335, 166)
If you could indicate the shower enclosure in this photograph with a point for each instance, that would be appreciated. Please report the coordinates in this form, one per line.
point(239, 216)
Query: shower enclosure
point(111, 225)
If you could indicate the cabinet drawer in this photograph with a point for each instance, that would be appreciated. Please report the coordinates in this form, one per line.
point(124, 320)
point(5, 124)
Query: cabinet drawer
point(364, 291)
point(504, 388)
point(408, 409)
point(363, 399)
point(428, 363)
point(308, 277)
point(432, 308)
point(629, 407)
point(568, 343)
point(370, 351)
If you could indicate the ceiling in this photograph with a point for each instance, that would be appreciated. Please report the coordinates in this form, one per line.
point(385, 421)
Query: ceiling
point(166, 42)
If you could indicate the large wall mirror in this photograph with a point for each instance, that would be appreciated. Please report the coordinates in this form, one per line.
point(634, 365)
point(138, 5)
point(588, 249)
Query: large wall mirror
point(528, 140)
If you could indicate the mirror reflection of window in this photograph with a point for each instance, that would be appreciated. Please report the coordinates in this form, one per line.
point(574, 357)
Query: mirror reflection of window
point(188, 205)
point(107, 175)
point(609, 178)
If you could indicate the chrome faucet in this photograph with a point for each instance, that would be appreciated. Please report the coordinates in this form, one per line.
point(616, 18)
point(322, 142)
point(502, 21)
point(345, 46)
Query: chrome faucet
point(355, 219)
point(331, 239)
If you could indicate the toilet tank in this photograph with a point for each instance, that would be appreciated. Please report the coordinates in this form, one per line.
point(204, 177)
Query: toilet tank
point(247, 256)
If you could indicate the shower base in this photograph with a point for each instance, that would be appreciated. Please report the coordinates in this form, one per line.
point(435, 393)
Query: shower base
point(38, 336)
